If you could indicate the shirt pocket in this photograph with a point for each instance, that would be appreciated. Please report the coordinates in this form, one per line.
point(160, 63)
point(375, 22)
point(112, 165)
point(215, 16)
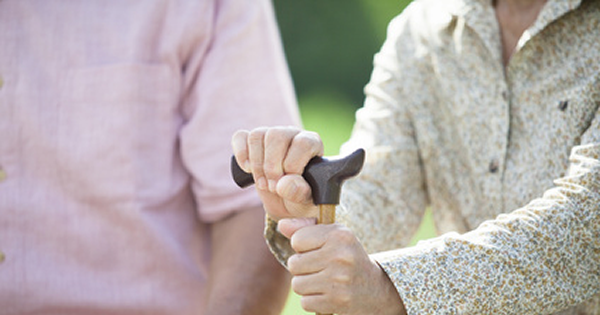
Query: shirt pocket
point(104, 115)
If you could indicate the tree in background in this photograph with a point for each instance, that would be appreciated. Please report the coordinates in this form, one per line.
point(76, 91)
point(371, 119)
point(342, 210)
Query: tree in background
point(330, 46)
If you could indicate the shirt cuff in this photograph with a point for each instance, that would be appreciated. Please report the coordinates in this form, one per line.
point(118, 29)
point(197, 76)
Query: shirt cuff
point(415, 273)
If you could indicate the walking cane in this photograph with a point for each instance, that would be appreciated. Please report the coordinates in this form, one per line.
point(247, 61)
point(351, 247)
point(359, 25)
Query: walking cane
point(325, 177)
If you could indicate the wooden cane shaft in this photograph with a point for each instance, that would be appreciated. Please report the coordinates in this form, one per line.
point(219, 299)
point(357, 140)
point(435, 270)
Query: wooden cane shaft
point(326, 216)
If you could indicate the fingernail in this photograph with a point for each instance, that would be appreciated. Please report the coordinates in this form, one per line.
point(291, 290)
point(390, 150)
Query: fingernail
point(247, 167)
point(272, 185)
point(278, 223)
point(303, 221)
point(262, 184)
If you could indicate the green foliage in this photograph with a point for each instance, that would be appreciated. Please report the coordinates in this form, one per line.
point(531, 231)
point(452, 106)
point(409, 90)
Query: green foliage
point(327, 114)
point(330, 43)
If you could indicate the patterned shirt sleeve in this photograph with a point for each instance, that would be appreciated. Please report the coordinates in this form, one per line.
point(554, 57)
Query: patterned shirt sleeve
point(538, 259)
point(541, 258)
point(389, 196)
point(447, 125)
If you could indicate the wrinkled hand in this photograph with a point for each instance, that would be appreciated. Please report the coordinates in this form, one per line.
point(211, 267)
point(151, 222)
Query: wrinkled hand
point(276, 157)
point(333, 273)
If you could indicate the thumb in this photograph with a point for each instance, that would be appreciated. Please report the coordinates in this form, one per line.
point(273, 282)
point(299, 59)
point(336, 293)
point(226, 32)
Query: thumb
point(294, 188)
point(288, 227)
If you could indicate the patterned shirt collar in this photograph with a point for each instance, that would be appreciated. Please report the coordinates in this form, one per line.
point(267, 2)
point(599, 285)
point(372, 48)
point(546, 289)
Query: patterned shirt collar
point(479, 15)
point(553, 10)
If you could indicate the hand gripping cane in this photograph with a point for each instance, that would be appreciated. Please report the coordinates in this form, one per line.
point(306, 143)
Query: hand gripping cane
point(325, 177)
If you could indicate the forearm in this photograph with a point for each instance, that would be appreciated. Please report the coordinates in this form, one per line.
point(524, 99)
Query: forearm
point(244, 276)
point(509, 265)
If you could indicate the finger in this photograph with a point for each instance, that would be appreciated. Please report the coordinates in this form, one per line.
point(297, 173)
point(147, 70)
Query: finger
point(277, 142)
point(312, 284)
point(317, 303)
point(335, 251)
point(304, 147)
point(239, 145)
point(329, 297)
point(294, 188)
point(307, 263)
point(288, 227)
point(256, 155)
point(310, 238)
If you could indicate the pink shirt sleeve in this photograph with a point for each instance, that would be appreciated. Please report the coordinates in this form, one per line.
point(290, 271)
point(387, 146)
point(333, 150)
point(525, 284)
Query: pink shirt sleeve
point(115, 146)
point(240, 82)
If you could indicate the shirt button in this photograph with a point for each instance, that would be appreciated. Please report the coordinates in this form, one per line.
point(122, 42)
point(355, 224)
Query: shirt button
point(1, 82)
point(494, 166)
point(505, 95)
point(562, 105)
point(2, 175)
point(2, 257)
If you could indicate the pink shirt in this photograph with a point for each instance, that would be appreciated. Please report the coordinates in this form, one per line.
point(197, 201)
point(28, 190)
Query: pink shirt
point(115, 127)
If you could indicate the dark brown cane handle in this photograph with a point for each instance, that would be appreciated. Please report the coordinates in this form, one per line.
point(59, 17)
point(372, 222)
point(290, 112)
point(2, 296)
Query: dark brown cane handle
point(324, 175)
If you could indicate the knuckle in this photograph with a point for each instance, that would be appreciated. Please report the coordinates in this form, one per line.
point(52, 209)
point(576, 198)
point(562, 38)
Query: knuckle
point(240, 134)
point(278, 133)
point(342, 299)
point(343, 235)
point(271, 169)
point(345, 258)
point(307, 140)
point(272, 134)
point(289, 167)
point(342, 279)
point(257, 135)
point(257, 167)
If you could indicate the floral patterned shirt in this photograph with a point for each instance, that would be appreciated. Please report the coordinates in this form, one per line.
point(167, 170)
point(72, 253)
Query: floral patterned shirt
point(507, 157)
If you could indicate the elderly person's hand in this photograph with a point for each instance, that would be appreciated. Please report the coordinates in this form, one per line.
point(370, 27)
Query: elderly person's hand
point(333, 273)
point(276, 157)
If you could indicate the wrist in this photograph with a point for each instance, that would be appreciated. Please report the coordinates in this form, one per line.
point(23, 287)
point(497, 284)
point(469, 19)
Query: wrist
point(393, 304)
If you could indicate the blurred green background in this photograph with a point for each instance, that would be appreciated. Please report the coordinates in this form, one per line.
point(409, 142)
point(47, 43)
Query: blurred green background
point(330, 46)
